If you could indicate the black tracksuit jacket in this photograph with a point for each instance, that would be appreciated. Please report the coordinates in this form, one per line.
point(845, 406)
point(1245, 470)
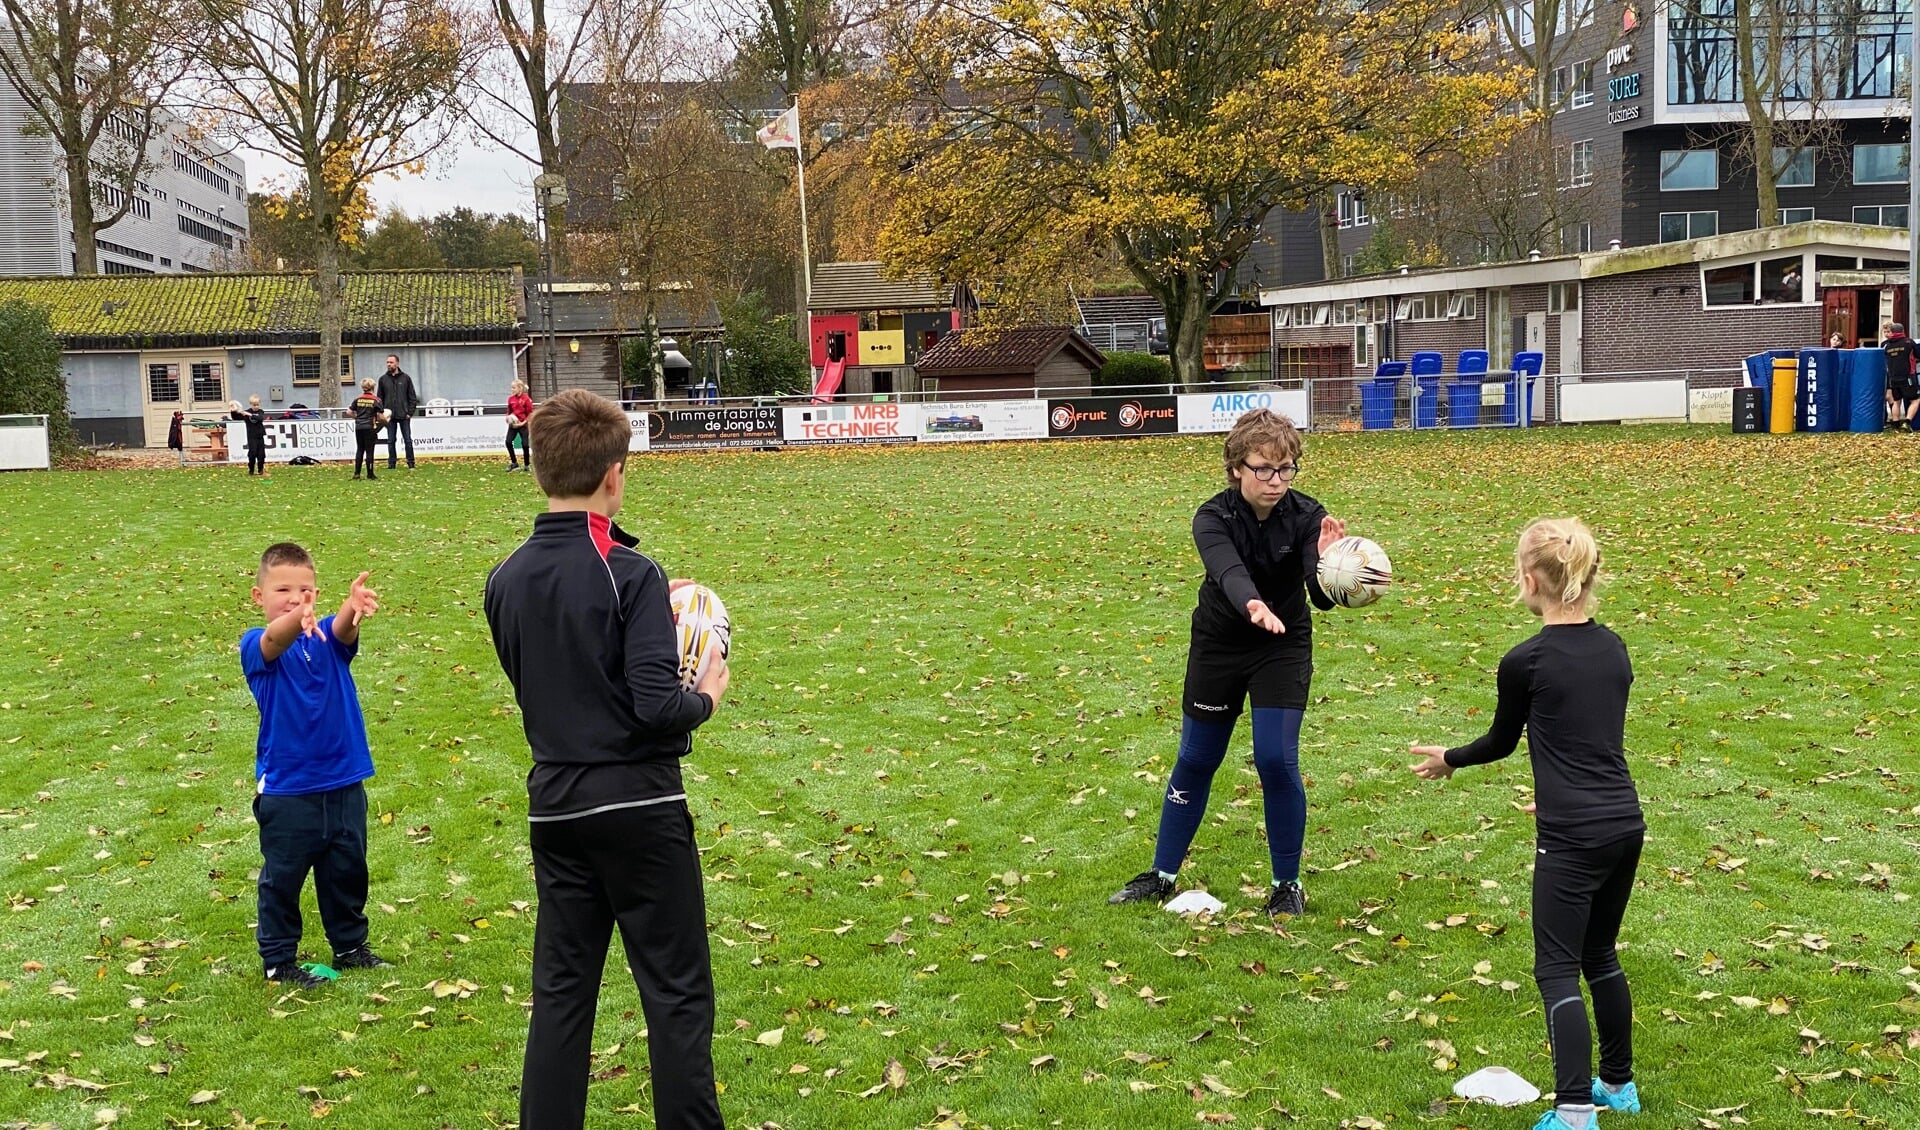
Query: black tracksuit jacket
point(1276, 561)
point(582, 625)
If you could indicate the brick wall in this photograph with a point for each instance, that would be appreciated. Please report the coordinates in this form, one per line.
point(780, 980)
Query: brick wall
point(1654, 320)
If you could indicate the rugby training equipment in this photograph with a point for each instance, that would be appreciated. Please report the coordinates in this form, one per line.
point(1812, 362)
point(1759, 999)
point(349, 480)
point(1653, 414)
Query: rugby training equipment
point(1496, 1085)
point(1355, 572)
point(700, 621)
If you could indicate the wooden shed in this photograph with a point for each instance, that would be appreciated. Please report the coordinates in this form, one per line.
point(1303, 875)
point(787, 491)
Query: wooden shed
point(1009, 364)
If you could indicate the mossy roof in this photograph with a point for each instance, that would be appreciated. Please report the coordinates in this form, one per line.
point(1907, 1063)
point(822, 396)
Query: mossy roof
point(173, 311)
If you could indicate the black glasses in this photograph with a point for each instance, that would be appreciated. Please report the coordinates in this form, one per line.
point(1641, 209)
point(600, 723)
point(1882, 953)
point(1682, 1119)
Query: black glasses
point(1286, 472)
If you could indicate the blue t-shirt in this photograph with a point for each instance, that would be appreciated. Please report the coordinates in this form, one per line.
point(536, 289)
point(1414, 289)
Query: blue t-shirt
point(312, 737)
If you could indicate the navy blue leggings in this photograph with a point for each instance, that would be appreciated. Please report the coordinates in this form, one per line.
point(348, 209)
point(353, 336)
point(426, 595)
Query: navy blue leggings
point(1276, 757)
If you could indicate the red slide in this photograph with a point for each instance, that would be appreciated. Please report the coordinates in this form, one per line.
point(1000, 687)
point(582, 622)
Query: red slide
point(829, 382)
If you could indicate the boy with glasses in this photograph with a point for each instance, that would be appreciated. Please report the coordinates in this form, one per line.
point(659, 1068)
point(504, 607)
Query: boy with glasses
point(1252, 639)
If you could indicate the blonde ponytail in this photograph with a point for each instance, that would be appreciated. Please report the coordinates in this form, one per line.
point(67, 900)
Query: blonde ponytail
point(1563, 558)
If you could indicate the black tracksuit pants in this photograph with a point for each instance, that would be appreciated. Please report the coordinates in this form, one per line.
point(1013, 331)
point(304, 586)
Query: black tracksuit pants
point(638, 869)
point(325, 833)
point(256, 460)
point(363, 441)
point(1579, 898)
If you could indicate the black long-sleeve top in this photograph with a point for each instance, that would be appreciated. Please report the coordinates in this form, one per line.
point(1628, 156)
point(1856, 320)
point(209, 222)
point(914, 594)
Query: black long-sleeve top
point(584, 631)
point(256, 421)
point(1276, 561)
point(1567, 687)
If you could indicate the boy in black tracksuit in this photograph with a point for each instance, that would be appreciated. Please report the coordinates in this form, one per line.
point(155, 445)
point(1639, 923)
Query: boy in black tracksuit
point(367, 413)
point(1567, 687)
point(584, 631)
point(1252, 643)
point(256, 422)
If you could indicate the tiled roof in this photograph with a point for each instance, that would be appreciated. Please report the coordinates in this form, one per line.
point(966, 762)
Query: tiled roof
point(1114, 309)
point(1016, 351)
point(587, 307)
point(860, 286)
point(172, 311)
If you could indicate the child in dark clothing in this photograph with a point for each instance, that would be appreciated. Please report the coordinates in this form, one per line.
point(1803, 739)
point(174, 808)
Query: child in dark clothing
point(176, 437)
point(1567, 687)
point(256, 422)
point(368, 415)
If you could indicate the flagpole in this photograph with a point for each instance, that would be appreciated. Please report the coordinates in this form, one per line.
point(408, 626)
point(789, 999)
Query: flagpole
point(806, 257)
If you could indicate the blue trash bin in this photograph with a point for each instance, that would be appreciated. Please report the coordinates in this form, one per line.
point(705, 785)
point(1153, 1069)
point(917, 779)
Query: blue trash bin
point(1377, 399)
point(1426, 389)
point(1526, 371)
point(1463, 404)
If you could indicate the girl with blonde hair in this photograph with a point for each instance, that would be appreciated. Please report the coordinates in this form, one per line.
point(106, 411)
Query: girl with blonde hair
point(519, 411)
point(1567, 688)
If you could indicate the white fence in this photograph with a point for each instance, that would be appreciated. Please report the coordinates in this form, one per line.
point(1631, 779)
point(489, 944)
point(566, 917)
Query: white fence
point(23, 444)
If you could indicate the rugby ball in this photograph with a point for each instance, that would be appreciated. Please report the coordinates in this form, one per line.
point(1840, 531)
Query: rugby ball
point(705, 633)
point(1355, 572)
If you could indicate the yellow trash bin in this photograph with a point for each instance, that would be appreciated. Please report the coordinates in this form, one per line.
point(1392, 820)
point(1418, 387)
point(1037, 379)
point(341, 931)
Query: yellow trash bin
point(1785, 394)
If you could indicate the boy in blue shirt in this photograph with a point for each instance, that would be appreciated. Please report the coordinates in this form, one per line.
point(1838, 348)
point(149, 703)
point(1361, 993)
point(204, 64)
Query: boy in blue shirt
point(311, 760)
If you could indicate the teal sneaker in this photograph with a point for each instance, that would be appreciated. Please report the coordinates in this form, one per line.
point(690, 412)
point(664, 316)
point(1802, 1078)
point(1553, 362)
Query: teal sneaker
point(1626, 1099)
point(1552, 1121)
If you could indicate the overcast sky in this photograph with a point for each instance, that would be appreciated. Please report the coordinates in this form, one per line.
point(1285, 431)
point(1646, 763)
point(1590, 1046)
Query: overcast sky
point(485, 180)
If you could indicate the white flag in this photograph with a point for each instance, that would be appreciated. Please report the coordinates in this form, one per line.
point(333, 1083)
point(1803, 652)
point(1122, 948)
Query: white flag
point(782, 132)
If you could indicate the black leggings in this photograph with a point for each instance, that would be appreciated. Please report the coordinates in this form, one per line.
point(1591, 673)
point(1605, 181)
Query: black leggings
point(519, 433)
point(1579, 898)
point(363, 439)
point(256, 460)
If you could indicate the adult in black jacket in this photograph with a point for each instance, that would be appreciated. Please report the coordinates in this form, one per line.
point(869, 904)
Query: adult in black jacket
point(1566, 687)
point(583, 628)
point(400, 399)
point(1252, 640)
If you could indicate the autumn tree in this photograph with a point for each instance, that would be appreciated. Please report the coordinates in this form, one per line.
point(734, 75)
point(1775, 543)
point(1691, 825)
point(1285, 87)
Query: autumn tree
point(94, 74)
point(344, 91)
point(1161, 133)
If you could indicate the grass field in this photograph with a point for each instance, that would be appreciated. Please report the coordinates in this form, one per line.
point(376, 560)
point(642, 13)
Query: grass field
point(954, 705)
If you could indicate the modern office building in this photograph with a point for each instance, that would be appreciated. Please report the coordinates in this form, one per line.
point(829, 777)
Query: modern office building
point(189, 213)
point(1650, 130)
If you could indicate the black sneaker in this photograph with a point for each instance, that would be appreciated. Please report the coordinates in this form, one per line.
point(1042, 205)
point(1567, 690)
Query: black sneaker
point(1287, 901)
point(362, 958)
point(1142, 887)
point(294, 975)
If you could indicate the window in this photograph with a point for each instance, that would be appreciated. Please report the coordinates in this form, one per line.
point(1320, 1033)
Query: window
point(306, 368)
point(1689, 170)
point(163, 383)
point(1522, 23)
point(1783, 280)
point(206, 232)
point(1883, 215)
point(1787, 216)
point(1557, 89)
point(1576, 237)
point(1563, 297)
point(1580, 164)
point(1581, 87)
point(1879, 164)
point(1282, 317)
point(1728, 286)
point(1688, 225)
point(1463, 304)
point(1363, 347)
point(1792, 168)
point(1353, 210)
point(1576, 14)
point(209, 380)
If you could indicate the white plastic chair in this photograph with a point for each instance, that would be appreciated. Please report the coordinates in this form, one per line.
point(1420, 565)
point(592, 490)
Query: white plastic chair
point(469, 407)
point(439, 406)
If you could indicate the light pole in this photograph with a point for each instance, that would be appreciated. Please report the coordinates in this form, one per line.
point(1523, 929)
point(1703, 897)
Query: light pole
point(1913, 182)
point(550, 191)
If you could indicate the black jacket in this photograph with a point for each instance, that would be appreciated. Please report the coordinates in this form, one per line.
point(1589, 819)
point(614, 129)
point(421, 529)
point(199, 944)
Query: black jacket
point(256, 421)
point(1276, 561)
point(585, 634)
point(396, 391)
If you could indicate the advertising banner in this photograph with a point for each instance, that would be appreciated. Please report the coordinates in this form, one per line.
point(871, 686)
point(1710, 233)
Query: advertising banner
point(1217, 411)
point(885, 422)
point(1112, 416)
point(432, 435)
point(983, 420)
point(689, 429)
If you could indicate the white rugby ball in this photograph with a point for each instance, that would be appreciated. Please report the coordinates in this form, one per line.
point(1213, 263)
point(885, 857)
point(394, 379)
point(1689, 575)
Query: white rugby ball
point(705, 633)
point(1355, 572)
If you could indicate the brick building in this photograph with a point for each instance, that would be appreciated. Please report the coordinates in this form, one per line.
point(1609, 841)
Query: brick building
point(1699, 304)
